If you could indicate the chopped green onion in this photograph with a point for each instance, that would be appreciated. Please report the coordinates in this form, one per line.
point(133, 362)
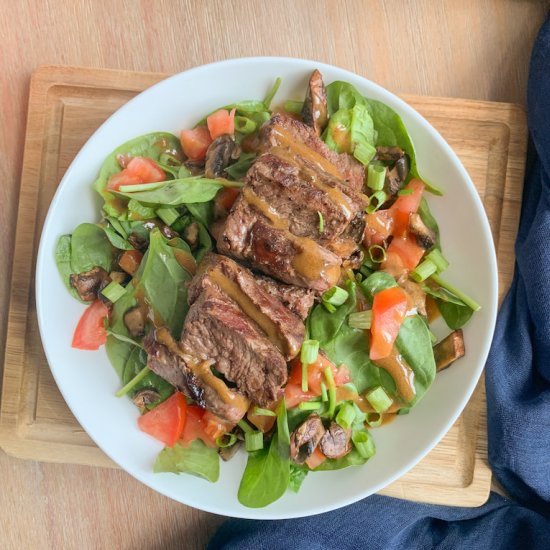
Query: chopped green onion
point(404, 192)
point(335, 296)
point(168, 215)
point(324, 394)
point(329, 307)
point(470, 302)
point(308, 355)
point(271, 94)
point(346, 415)
point(424, 270)
point(113, 291)
point(331, 391)
point(376, 176)
point(377, 253)
point(253, 441)
point(263, 412)
point(379, 399)
point(293, 106)
point(361, 319)
point(141, 187)
point(244, 426)
point(374, 419)
point(438, 259)
point(244, 125)
point(226, 440)
point(321, 222)
point(376, 200)
point(309, 405)
point(135, 380)
point(363, 443)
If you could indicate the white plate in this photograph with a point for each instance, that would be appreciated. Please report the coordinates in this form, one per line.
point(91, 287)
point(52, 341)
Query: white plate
point(87, 380)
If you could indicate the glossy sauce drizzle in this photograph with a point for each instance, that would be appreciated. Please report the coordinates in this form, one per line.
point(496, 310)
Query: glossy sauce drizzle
point(402, 374)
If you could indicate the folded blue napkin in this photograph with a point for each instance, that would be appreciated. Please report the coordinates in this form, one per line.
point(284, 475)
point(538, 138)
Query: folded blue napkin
point(518, 404)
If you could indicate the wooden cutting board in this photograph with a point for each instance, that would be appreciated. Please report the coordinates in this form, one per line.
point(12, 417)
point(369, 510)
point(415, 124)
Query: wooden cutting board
point(67, 104)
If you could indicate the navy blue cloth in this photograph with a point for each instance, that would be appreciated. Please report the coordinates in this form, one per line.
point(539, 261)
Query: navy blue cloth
point(518, 404)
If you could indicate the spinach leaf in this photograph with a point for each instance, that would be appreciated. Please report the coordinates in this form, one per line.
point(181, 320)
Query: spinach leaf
point(178, 192)
point(203, 212)
point(63, 262)
point(415, 344)
point(342, 95)
point(90, 248)
point(140, 211)
point(239, 169)
point(455, 315)
point(116, 240)
point(118, 353)
point(336, 136)
point(267, 473)
point(197, 459)
point(121, 306)
point(150, 145)
point(205, 243)
point(443, 295)
point(297, 476)
point(162, 280)
point(353, 458)
point(379, 280)
point(429, 220)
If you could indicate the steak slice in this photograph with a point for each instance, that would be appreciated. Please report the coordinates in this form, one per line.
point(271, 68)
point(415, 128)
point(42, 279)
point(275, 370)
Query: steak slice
point(166, 359)
point(284, 329)
point(217, 329)
point(269, 247)
point(298, 300)
point(284, 131)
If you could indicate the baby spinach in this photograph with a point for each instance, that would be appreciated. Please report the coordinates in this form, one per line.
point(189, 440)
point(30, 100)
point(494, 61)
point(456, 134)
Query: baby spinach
point(90, 248)
point(63, 262)
point(151, 145)
point(202, 212)
point(178, 192)
point(118, 353)
point(162, 280)
point(116, 240)
point(297, 476)
point(455, 315)
point(429, 220)
point(415, 345)
point(239, 169)
point(205, 243)
point(197, 459)
point(267, 473)
point(379, 280)
point(353, 458)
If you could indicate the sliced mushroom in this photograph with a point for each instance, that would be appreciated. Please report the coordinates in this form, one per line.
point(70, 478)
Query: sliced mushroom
point(119, 277)
point(449, 350)
point(166, 230)
point(315, 110)
point(196, 167)
point(135, 319)
point(138, 242)
point(218, 155)
point(396, 176)
point(425, 237)
point(90, 283)
point(145, 397)
point(227, 453)
point(305, 438)
point(389, 153)
point(336, 441)
point(191, 235)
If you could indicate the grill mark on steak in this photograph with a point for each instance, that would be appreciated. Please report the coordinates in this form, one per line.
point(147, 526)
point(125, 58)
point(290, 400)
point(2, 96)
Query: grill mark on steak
point(217, 329)
point(282, 327)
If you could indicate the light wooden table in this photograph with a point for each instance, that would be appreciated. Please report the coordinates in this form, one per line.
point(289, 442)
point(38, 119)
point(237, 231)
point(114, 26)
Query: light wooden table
point(471, 49)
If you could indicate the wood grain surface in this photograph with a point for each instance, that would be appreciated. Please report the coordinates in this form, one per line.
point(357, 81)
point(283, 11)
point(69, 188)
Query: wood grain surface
point(472, 49)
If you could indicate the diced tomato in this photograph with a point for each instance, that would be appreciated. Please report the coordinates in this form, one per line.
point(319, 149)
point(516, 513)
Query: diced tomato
point(138, 170)
point(166, 421)
point(388, 312)
point(408, 250)
point(129, 261)
point(195, 142)
point(378, 227)
point(315, 459)
point(262, 422)
point(226, 197)
point(214, 426)
point(221, 122)
point(90, 332)
point(294, 395)
point(341, 376)
point(195, 427)
point(405, 205)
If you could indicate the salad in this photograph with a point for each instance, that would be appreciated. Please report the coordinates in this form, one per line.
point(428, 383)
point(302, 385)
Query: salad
point(267, 280)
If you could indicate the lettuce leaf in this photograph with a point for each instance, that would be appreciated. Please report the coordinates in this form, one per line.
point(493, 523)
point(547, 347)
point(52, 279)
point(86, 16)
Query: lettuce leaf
point(197, 459)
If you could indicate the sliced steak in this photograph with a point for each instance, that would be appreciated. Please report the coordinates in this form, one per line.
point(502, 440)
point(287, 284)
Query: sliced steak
point(217, 329)
point(255, 234)
point(284, 131)
point(284, 329)
point(166, 359)
point(298, 300)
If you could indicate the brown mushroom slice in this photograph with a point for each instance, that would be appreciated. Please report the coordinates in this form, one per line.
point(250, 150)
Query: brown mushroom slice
point(227, 453)
point(305, 438)
point(145, 397)
point(90, 283)
point(425, 237)
point(119, 277)
point(218, 155)
point(336, 441)
point(389, 153)
point(135, 319)
point(191, 235)
point(449, 350)
point(396, 176)
point(315, 110)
